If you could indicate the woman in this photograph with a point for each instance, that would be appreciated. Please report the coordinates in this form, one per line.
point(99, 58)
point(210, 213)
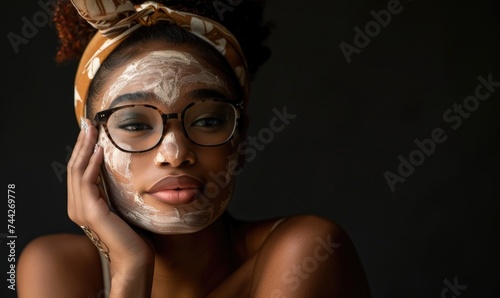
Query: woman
point(160, 93)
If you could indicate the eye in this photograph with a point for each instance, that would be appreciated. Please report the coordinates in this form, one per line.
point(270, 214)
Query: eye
point(135, 126)
point(134, 120)
point(208, 121)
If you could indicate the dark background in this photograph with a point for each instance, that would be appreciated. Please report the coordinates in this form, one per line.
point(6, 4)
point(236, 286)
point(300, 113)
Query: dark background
point(353, 121)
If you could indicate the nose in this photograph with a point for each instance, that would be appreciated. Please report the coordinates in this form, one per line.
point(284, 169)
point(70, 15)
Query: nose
point(175, 149)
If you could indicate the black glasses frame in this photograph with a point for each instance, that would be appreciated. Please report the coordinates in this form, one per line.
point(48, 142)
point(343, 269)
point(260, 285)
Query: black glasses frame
point(101, 118)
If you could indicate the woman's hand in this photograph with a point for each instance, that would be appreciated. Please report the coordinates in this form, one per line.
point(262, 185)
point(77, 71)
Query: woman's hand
point(131, 255)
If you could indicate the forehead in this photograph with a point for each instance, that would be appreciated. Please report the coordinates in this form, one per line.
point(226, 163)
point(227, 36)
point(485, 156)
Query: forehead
point(167, 72)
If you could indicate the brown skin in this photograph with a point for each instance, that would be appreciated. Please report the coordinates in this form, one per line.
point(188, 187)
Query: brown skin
point(261, 258)
point(305, 256)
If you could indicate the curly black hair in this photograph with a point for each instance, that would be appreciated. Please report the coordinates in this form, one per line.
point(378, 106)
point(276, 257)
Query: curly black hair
point(244, 18)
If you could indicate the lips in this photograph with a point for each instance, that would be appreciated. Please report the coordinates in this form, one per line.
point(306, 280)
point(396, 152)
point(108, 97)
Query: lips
point(176, 190)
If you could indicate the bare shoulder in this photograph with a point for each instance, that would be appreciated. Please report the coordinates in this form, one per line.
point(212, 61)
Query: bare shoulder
point(59, 265)
point(306, 256)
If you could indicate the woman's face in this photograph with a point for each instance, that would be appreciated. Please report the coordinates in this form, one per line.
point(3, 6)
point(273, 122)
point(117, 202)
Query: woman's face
point(178, 186)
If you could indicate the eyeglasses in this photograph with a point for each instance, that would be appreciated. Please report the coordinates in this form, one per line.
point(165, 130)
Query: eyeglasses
point(141, 127)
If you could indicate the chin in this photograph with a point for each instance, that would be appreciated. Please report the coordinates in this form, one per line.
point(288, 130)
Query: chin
point(172, 223)
point(174, 229)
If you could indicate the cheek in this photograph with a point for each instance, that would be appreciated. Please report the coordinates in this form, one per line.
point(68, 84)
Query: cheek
point(116, 161)
point(220, 159)
point(221, 163)
point(119, 177)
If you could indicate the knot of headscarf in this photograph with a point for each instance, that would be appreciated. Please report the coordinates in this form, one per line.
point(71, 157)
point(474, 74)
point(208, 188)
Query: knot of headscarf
point(117, 19)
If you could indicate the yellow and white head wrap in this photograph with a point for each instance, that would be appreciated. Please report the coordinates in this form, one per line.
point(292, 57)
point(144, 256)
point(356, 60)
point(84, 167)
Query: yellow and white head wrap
point(118, 19)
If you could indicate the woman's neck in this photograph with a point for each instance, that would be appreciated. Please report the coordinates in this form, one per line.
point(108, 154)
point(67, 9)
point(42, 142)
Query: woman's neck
point(192, 265)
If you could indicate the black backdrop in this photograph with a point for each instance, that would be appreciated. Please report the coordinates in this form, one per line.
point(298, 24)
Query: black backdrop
point(354, 123)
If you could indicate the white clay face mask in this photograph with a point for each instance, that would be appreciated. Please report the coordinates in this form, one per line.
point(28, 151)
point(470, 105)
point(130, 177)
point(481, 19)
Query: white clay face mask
point(164, 74)
point(179, 219)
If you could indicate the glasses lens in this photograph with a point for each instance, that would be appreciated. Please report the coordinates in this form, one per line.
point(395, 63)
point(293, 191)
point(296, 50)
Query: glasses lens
point(210, 123)
point(135, 128)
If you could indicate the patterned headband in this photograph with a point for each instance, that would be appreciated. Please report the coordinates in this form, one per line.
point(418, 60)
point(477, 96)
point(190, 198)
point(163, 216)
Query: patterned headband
point(117, 19)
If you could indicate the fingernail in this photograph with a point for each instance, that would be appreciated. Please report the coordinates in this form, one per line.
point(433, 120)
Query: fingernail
point(84, 126)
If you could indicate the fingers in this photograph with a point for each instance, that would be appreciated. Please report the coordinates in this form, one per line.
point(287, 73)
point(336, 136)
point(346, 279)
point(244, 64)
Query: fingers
point(83, 172)
point(88, 208)
point(83, 149)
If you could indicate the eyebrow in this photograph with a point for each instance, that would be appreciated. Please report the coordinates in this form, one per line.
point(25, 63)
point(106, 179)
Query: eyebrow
point(142, 96)
point(206, 93)
point(132, 97)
